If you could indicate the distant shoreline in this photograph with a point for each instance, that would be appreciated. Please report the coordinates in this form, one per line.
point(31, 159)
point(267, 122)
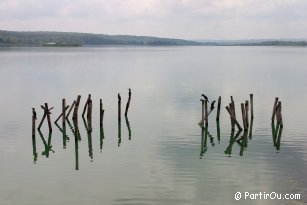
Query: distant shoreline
point(68, 39)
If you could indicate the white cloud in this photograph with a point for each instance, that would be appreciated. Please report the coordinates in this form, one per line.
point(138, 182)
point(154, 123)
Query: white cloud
point(173, 18)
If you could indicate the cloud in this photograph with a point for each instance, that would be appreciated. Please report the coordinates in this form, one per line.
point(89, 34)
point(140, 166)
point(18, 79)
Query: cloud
point(173, 18)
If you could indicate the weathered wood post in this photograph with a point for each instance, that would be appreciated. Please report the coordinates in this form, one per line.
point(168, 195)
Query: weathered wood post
point(75, 114)
point(86, 105)
point(218, 109)
point(71, 107)
point(48, 117)
point(278, 114)
point(274, 109)
point(206, 112)
point(128, 102)
point(243, 116)
point(252, 105)
point(33, 122)
point(89, 115)
point(234, 118)
point(246, 113)
point(101, 111)
point(43, 118)
point(201, 122)
point(119, 106)
point(231, 119)
point(63, 113)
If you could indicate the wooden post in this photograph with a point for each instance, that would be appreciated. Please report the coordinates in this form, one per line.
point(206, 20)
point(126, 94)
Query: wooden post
point(128, 102)
point(86, 105)
point(89, 115)
point(278, 114)
point(252, 105)
point(119, 106)
point(101, 113)
point(206, 112)
point(48, 117)
point(71, 107)
point(201, 122)
point(246, 113)
point(43, 118)
point(63, 112)
point(234, 118)
point(243, 116)
point(274, 109)
point(75, 114)
point(56, 121)
point(218, 109)
point(233, 106)
point(232, 121)
point(33, 122)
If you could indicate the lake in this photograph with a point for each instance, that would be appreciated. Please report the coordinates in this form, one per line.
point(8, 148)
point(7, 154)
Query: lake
point(159, 154)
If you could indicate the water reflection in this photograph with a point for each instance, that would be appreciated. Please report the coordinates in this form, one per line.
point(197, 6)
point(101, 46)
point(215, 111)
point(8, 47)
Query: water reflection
point(128, 126)
point(47, 144)
point(218, 131)
point(276, 135)
point(34, 149)
point(87, 125)
point(65, 136)
point(243, 142)
point(77, 138)
point(101, 137)
point(232, 140)
point(204, 136)
point(119, 134)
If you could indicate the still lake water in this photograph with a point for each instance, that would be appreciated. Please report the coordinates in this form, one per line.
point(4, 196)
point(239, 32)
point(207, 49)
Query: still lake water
point(163, 160)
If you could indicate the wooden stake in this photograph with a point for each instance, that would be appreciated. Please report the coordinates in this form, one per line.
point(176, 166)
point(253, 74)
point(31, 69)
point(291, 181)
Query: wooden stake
point(246, 113)
point(75, 114)
point(128, 102)
point(201, 122)
point(234, 118)
point(56, 121)
point(33, 122)
point(243, 116)
point(71, 107)
point(119, 106)
point(86, 104)
point(101, 113)
point(232, 121)
point(89, 115)
point(252, 105)
point(274, 109)
point(64, 112)
point(206, 112)
point(43, 118)
point(218, 109)
point(48, 117)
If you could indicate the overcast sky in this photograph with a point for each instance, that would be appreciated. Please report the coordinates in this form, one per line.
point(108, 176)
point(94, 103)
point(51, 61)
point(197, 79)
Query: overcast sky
point(189, 19)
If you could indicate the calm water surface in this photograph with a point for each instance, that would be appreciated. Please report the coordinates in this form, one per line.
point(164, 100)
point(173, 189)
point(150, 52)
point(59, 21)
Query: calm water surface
point(159, 155)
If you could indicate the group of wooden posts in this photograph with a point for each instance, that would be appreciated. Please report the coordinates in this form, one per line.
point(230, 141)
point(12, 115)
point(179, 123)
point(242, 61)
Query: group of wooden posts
point(75, 107)
point(231, 110)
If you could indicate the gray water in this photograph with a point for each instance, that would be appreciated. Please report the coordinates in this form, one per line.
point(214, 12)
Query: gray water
point(165, 158)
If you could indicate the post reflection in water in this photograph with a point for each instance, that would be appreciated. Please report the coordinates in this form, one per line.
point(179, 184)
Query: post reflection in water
point(34, 149)
point(276, 135)
point(48, 146)
point(218, 131)
point(243, 142)
point(65, 136)
point(89, 138)
point(76, 134)
point(101, 137)
point(251, 128)
point(128, 126)
point(204, 136)
point(119, 133)
point(232, 140)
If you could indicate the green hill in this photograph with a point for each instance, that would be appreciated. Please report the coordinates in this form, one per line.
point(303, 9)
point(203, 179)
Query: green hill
point(46, 38)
